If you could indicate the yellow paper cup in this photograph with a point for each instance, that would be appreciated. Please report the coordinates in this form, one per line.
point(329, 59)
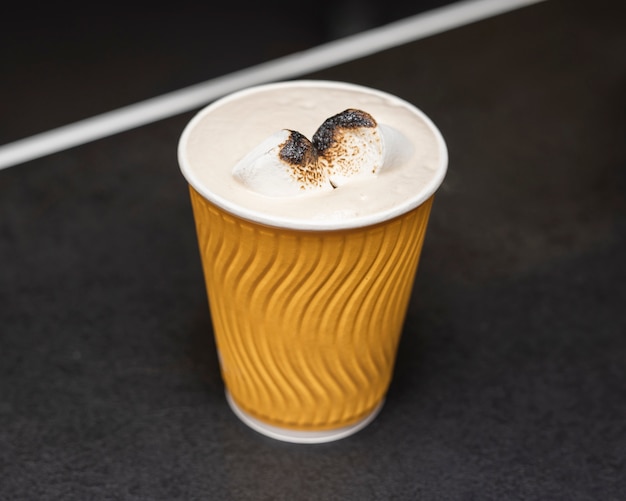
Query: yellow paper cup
point(307, 322)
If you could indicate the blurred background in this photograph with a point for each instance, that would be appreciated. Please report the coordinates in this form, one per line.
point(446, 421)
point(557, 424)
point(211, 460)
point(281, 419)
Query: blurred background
point(64, 61)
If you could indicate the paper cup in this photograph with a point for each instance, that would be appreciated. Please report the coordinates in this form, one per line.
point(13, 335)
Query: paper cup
point(307, 321)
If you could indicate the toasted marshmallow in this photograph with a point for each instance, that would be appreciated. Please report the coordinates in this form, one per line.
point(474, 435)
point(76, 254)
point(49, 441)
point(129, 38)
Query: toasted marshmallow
point(285, 164)
point(352, 145)
point(346, 147)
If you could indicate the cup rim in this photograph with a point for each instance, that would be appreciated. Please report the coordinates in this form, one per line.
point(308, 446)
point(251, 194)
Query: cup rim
point(311, 225)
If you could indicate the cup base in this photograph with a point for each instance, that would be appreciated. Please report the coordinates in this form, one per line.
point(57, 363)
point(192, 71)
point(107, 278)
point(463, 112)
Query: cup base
point(301, 437)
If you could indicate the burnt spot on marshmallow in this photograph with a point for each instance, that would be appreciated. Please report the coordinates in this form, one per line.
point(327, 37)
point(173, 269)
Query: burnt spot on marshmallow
point(301, 156)
point(327, 134)
point(297, 149)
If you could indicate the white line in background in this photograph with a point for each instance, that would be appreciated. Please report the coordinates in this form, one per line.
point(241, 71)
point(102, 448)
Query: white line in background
point(195, 96)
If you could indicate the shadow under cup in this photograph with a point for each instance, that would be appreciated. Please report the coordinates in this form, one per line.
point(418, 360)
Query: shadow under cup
point(307, 322)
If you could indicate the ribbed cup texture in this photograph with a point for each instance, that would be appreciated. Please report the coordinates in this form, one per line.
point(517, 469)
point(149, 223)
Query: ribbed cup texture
point(307, 323)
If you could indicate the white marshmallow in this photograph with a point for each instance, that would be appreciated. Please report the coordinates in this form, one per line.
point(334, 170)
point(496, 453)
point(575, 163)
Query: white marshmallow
point(353, 146)
point(285, 164)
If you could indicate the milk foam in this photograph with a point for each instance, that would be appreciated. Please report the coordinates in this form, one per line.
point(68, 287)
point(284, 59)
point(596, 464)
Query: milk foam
point(222, 135)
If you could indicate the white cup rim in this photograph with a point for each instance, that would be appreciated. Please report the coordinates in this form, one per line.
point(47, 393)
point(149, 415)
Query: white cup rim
point(312, 225)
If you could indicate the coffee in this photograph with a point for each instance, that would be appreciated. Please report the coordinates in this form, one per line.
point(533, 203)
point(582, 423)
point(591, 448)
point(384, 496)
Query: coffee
point(225, 132)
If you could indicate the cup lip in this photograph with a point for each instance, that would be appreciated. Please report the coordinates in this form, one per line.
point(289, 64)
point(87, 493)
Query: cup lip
point(311, 225)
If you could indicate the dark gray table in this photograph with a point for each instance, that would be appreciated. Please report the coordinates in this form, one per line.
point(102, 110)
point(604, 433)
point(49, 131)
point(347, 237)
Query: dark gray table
point(510, 381)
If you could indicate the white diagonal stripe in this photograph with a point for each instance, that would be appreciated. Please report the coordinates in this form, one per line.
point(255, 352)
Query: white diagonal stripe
point(323, 56)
